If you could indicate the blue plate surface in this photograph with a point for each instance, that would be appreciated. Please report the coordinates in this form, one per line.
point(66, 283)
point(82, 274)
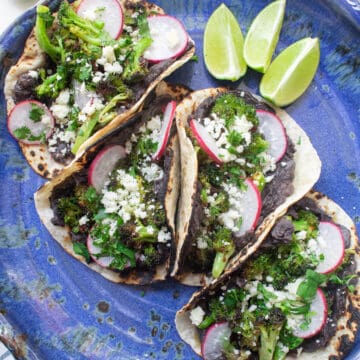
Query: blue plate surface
point(53, 307)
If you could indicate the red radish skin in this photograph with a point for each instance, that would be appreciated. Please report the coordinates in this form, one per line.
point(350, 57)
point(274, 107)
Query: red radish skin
point(169, 38)
point(168, 118)
point(103, 261)
point(20, 117)
point(206, 142)
point(332, 247)
point(112, 15)
point(320, 308)
point(103, 164)
point(252, 205)
point(273, 130)
point(212, 345)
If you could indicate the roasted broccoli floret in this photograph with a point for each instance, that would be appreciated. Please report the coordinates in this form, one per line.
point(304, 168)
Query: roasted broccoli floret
point(88, 198)
point(53, 84)
point(147, 233)
point(112, 246)
point(152, 256)
point(44, 20)
point(269, 333)
point(226, 309)
point(71, 211)
point(306, 221)
point(91, 32)
point(220, 205)
point(224, 246)
point(136, 66)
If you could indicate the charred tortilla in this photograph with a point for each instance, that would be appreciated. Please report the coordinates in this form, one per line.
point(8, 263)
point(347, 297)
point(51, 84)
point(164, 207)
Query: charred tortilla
point(162, 194)
point(84, 83)
point(296, 173)
point(337, 336)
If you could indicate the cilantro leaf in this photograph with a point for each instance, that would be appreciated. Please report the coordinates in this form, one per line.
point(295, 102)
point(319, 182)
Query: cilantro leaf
point(36, 113)
point(81, 249)
point(22, 133)
point(307, 288)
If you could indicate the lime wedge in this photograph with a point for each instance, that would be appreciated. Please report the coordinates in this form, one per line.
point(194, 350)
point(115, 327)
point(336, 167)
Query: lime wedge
point(292, 71)
point(263, 35)
point(223, 45)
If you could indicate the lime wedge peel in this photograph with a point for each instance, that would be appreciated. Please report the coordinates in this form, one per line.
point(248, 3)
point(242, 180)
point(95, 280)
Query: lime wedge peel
point(263, 36)
point(223, 45)
point(291, 72)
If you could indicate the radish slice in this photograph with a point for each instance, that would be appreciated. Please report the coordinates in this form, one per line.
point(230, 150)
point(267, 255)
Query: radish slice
point(169, 38)
point(103, 164)
point(207, 143)
point(168, 118)
point(250, 208)
point(271, 127)
point(27, 130)
point(107, 11)
point(103, 261)
point(332, 246)
point(318, 320)
point(213, 344)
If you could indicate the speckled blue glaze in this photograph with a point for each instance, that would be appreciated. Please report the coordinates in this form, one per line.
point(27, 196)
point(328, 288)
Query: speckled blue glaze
point(52, 307)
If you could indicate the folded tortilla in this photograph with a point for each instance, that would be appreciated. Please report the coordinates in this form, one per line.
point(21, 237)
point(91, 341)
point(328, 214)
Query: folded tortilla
point(33, 58)
point(348, 323)
point(62, 184)
point(307, 172)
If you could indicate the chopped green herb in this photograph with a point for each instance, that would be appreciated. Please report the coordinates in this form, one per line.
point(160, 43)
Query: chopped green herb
point(81, 249)
point(36, 112)
point(229, 105)
point(24, 133)
point(307, 288)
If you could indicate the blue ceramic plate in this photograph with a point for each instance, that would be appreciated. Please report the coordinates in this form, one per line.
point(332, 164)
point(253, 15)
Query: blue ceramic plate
point(53, 307)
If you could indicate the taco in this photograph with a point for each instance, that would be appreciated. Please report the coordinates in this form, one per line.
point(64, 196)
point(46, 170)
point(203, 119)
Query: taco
point(114, 207)
point(85, 70)
point(242, 164)
point(297, 296)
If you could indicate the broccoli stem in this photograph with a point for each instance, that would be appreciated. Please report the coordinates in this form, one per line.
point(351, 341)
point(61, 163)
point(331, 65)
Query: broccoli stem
point(220, 262)
point(55, 52)
point(103, 119)
point(85, 132)
point(269, 336)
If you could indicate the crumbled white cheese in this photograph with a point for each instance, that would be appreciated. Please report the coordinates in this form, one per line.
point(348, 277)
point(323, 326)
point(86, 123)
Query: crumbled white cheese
point(83, 220)
point(60, 108)
point(92, 105)
point(154, 123)
point(108, 61)
point(125, 200)
point(113, 68)
point(197, 315)
point(108, 54)
point(63, 97)
point(201, 243)
point(164, 235)
point(216, 128)
point(231, 218)
point(301, 235)
point(34, 74)
point(60, 112)
point(152, 172)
